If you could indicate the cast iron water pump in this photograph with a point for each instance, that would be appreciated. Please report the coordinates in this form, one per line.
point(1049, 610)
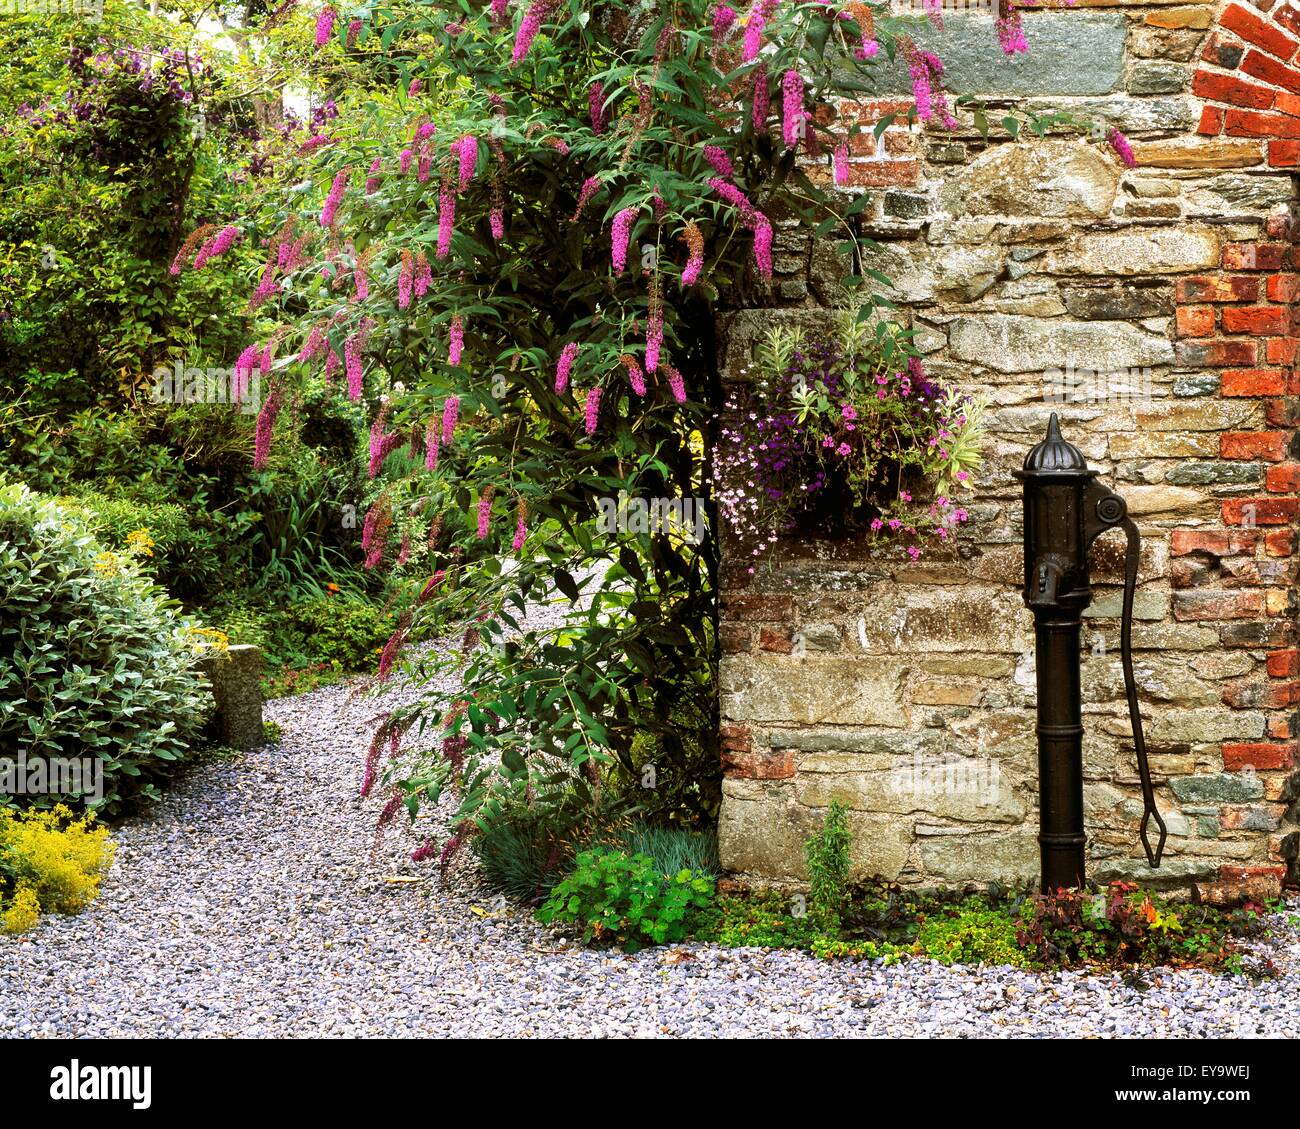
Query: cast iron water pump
point(1066, 509)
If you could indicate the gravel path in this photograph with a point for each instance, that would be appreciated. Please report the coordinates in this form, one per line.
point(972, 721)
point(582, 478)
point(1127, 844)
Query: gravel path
point(248, 903)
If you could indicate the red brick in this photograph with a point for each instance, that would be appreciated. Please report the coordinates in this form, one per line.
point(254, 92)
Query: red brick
point(1267, 445)
point(1204, 353)
point(1239, 817)
point(1279, 728)
point(1283, 479)
point(1284, 287)
point(752, 607)
point(1211, 120)
point(1280, 542)
point(734, 638)
point(759, 766)
point(1242, 873)
point(1267, 511)
point(1217, 288)
point(1288, 103)
point(1260, 695)
point(736, 738)
point(1283, 154)
point(1280, 225)
point(1254, 382)
point(1198, 604)
point(1258, 31)
point(1219, 543)
point(1280, 350)
point(1228, 88)
point(775, 639)
point(1256, 123)
point(877, 174)
point(1254, 256)
point(1259, 65)
point(1284, 664)
point(1195, 321)
point(1282, 413)
point(1289, 17)
point(1266, 321)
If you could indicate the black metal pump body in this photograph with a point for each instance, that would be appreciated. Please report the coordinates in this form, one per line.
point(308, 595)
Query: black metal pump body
point(1065, 510)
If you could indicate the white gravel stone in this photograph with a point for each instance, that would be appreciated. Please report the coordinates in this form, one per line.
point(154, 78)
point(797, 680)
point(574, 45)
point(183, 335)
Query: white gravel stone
point(252, 901)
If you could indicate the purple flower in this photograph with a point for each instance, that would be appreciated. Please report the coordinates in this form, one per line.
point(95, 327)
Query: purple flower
point(265, 424)
point(468, 151)
point(446, 218)
point(591, 413)
point(528, 29)
point(761, 99)
point(455, 340)
point(1123, 149)
point(620, 232)
point(763, 246)
point(841, 164)
point(791, 107)
point(372, 181)
point(596, 110)
point(325, 25)
point(718, 159)
point(589, 188)
point(450, 410)
point(564, 366)
point(335, 197)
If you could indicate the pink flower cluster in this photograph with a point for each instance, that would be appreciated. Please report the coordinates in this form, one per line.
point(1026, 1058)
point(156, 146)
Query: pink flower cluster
point(455, 340)
point(596, 110)
point(718, 160)
point(792, 119)
point(564, 366)
point(372, 180)
point(529, 26)
point(325, 26)
point(591, 413)
point(620, 232)
point(335, 197)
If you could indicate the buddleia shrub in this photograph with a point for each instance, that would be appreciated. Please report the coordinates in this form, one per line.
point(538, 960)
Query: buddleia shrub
point(95, 662)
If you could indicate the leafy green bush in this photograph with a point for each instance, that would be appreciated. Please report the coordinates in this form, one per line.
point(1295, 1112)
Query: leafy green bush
point(94, 662)
point(827, 855)
point(50, 862)
point(972, 933)
point(616, 897)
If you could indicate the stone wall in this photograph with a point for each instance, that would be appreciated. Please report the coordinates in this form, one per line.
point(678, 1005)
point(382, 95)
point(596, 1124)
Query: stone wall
point(906, 689)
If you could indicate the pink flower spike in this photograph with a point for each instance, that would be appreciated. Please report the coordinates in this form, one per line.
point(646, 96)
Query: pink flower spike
point(265, 425)
point(620, 232)
point(1122, 148)
point(468, 151)
point(792, 118)
point(531, 24)
point(372, 181)
point(455, 340)
point(335, 197)
point(450, 412)
point(404, 161)
point(521, 534)
point(325, 26)
point(763, 246)
point(591, 414)
point(431, 445)
point(446, 219)
point(678, 385)
point(564, 367)
point(841, 164)
point(719, 161)
point(762, 100)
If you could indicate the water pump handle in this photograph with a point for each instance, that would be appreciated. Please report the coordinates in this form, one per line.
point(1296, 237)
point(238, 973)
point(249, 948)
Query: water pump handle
point(1105, 510)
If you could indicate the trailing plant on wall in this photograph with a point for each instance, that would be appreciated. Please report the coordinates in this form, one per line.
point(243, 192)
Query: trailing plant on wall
point(839, 437)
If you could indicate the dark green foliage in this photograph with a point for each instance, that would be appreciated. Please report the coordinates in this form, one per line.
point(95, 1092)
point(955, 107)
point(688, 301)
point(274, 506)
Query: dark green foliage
point(615, 897)
point(827, 856)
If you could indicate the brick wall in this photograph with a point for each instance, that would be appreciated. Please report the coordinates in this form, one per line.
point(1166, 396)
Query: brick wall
point(906, 689)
